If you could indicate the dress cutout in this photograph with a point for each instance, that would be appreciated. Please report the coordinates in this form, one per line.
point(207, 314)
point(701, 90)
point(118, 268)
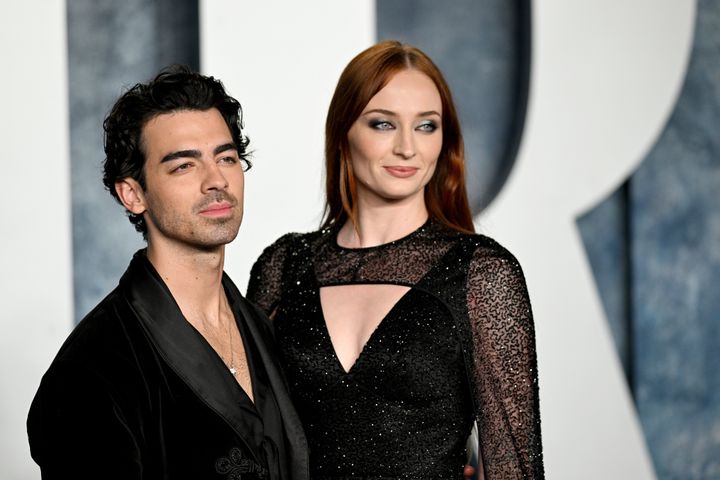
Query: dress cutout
point(353, 312)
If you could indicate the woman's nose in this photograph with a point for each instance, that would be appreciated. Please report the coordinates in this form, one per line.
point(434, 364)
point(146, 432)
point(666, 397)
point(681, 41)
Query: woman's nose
point(404, 145)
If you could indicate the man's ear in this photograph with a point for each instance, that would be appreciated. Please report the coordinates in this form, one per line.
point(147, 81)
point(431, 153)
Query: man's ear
point(131, 195)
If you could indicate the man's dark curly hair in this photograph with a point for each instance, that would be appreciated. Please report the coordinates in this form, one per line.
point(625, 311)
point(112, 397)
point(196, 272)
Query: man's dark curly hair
point(175, 88)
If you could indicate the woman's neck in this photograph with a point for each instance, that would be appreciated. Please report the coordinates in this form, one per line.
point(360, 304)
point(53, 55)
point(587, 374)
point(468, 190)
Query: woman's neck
point(381, 224)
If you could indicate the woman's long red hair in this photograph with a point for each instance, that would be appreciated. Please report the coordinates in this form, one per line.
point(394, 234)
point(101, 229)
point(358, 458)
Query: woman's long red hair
point(365, 75)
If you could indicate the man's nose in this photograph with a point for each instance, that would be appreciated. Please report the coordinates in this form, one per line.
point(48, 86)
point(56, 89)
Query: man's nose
point(214, 178)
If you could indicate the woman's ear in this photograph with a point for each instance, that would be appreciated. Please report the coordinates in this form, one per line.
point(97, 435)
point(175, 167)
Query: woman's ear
point(131, 195)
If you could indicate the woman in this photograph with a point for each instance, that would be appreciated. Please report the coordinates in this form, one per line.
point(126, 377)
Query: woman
point(398, 326)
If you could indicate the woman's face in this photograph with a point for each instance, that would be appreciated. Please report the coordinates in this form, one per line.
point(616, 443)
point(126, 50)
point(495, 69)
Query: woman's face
point(396, 140)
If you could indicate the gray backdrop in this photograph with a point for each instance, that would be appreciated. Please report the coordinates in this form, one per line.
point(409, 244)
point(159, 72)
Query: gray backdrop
point(655, 250)
point(654, 244)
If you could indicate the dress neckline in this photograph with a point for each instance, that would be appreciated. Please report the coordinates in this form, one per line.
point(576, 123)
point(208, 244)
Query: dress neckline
point(421, 229)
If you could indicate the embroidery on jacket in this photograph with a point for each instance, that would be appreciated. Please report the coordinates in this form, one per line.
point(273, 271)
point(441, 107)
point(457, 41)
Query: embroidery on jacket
point(235, 465)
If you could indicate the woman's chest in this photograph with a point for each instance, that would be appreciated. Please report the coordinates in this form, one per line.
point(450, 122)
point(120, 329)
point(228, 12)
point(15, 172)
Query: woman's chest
point(412, 353)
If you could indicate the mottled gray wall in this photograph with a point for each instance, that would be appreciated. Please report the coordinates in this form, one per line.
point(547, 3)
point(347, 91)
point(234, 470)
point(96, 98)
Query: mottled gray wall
point(482, 47)
point(654, 245)
point(605, 231)
point(672, 241)
point(111, 46)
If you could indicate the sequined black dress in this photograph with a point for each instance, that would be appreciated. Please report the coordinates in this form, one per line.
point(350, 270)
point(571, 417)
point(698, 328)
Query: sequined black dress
point(458, 345)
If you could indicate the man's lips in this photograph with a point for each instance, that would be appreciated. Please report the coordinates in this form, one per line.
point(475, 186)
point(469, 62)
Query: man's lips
point(401, 172)
point(217, 209)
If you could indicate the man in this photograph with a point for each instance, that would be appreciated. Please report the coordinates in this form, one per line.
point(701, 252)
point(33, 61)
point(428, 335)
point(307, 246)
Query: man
point(173, 374)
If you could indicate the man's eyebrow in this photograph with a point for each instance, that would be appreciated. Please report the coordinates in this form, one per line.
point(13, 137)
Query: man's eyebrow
point(196, 153)
point(181, 154)
point(224, 148)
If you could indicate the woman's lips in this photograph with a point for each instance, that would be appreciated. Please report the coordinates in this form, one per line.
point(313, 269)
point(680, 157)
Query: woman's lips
point(401, 172)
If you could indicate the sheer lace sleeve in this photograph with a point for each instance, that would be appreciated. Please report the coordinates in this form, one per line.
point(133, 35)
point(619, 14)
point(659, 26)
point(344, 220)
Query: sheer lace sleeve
point(266, 277)
point(506, 383)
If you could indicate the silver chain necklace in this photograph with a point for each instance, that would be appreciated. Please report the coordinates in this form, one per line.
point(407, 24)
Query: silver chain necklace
point(233, 371)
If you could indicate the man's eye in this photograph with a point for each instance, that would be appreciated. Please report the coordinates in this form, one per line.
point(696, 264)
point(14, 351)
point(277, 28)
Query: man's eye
point(181, 168)
point(230, 160)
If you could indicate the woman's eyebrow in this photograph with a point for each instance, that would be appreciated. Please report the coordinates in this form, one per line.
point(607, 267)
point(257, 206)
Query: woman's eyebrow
point(390, 113)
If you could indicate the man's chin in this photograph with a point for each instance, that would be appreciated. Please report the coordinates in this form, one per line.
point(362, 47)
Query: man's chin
point(217, 241)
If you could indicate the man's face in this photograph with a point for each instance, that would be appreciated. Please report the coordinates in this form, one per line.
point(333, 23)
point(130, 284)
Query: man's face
point(194, 180)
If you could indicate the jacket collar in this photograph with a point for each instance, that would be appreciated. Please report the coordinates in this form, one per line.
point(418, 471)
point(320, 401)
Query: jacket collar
point(181, 346)
point(196, 363)
point(258, 326)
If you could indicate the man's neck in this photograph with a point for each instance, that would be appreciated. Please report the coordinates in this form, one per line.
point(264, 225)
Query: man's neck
point(194, 278)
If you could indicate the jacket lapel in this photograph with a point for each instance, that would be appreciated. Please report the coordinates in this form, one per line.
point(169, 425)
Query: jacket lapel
point(261, 333)
point(181, 346)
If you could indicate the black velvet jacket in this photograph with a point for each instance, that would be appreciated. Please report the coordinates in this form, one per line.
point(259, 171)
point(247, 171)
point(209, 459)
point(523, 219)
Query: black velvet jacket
point(137, 393)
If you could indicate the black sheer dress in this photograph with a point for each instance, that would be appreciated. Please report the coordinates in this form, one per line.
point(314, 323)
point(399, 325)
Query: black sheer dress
point(458, 346)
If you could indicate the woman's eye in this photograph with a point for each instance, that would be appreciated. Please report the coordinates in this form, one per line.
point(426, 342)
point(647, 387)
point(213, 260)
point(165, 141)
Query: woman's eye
point(427, 127)
point(381, 125)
